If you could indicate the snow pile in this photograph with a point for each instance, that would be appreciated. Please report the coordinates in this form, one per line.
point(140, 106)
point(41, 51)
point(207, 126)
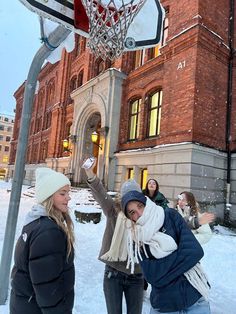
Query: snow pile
point(219, 261)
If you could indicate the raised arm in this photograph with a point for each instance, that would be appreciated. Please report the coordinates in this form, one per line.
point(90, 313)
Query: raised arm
point(98, 191)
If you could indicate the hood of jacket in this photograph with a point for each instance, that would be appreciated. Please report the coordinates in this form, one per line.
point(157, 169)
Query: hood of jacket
point(36, 212)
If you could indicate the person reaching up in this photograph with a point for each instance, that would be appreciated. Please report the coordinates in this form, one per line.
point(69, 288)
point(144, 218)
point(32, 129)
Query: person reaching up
point(118, 280)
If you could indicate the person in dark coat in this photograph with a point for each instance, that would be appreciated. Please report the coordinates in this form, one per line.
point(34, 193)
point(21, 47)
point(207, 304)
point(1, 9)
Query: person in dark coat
point(152, 191)
point(42, 278)
point(168, 253)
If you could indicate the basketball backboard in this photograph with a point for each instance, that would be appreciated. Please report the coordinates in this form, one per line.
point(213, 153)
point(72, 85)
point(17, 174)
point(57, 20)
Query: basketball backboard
point(62, 12)
point(144, 31)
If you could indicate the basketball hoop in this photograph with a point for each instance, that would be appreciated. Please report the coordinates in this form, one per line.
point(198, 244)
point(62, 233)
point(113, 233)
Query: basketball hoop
point(109, 21)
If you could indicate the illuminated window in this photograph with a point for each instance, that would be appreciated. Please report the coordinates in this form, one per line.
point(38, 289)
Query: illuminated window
point(5, 159)
point(155, 51)
point(154, 113)
point(139, 58)
point(134, 119)
point(130, 173)
point(144, 174)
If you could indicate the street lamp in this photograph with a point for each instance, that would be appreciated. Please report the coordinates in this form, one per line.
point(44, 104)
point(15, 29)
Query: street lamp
point(94, 139)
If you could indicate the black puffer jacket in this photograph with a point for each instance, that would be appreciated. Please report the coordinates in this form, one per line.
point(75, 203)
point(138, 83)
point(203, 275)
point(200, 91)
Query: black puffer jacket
point(42, 276)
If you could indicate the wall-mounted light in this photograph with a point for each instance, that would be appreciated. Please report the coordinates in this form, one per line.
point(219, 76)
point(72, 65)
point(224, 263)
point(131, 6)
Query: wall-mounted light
point(71, 139)
point(94, 139)
point(65, 144)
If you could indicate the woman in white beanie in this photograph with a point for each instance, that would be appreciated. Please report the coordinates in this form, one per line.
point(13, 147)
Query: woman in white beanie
point(118, 280)
point(42, 278)
point(168, 253)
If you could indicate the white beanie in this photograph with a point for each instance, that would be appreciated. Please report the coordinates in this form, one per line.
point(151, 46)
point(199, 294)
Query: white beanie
point(48, 182)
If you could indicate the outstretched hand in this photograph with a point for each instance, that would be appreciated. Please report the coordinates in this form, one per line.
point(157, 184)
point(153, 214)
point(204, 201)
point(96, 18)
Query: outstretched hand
point(206, 218)
point(88, 165)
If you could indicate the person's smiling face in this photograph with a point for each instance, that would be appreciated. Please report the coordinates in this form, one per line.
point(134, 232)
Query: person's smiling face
point(134, 210)
point(61, 199)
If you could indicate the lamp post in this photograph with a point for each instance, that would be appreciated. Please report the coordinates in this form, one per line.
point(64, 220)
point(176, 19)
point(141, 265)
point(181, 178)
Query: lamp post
point(55, 38)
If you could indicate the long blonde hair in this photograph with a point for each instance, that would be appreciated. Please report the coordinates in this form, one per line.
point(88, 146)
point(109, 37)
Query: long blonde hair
point(63, 220)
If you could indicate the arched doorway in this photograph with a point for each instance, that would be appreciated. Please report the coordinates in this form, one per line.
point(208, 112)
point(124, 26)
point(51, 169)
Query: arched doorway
point(92, 124)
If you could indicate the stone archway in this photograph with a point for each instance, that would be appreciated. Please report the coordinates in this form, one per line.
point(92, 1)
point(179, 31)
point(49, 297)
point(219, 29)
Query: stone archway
point(92, 124)
point(100, 97)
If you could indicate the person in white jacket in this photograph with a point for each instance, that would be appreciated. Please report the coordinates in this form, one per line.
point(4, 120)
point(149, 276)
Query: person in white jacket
point(198, 222)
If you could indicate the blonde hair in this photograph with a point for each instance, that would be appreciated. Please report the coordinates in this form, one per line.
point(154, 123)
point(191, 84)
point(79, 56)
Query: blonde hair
point(63, 220)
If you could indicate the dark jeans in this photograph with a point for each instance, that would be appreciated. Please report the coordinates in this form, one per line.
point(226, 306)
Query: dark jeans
point(115, 284)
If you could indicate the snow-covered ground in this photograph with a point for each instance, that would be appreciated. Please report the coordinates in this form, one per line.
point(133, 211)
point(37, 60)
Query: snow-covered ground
point(219, 260)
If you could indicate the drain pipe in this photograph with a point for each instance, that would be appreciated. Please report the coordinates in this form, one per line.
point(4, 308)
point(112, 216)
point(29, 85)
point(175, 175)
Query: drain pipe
point(229, 111)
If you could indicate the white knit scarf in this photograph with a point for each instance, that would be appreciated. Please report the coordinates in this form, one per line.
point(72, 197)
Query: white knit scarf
point(118, 250)
point(128, 237)
point(146, 231)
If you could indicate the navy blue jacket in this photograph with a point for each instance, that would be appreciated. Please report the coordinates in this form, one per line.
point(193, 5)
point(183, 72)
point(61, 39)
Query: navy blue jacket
point(42, 277)
point(171, 291)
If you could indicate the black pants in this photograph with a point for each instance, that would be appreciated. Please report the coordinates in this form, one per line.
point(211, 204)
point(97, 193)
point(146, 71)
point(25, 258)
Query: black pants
point(116, 284)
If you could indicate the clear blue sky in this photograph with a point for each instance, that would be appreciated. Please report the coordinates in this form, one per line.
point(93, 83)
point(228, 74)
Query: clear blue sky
point(19, 41)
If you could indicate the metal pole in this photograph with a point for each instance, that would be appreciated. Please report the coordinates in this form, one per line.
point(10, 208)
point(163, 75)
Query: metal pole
point(55, 39)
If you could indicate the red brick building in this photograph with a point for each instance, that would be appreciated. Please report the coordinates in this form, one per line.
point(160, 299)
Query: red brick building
point(166, 112)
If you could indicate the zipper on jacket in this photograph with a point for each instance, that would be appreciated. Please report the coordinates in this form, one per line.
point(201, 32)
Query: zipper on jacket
point(30, 298)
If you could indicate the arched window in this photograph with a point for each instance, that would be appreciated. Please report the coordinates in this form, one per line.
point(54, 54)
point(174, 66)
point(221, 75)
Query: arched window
point(50, 92)
point(154, 113)
point(100, 66)
point(80, 78)
point(40, 99)
point(73, 83)
point(43, 151)
point(134, 116)
point(81, 44)
point(47, 120)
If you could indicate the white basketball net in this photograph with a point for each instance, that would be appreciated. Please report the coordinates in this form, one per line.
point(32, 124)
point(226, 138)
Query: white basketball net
point(108, 25)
